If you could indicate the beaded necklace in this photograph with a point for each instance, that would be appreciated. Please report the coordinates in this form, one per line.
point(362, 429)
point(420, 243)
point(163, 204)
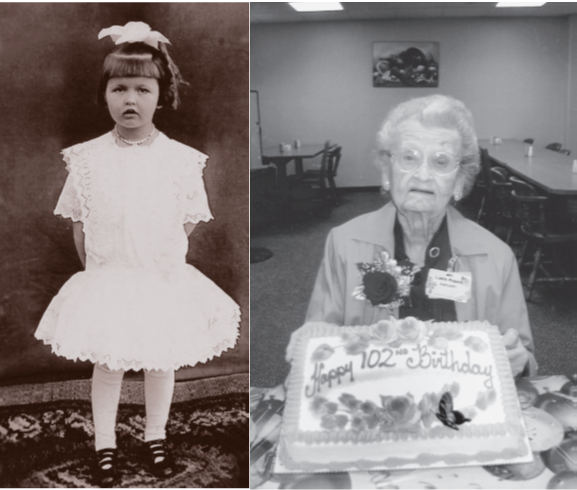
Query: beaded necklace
point(133, 143)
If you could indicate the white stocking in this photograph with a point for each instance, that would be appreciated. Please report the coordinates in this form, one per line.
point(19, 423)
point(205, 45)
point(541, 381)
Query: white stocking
point(158, 390)
point(106, 385)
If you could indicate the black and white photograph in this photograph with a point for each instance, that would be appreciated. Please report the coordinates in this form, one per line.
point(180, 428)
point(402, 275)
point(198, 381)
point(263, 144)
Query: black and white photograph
point(413, 184)
point(124, 208)
point(405, 64)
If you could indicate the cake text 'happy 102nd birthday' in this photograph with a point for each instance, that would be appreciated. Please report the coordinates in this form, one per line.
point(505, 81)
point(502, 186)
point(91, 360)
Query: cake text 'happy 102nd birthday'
point(416, 357)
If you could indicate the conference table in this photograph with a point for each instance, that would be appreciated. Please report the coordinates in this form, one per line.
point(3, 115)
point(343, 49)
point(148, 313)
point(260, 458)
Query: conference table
point(281, 159)
point(554, 450)
point(549, 170)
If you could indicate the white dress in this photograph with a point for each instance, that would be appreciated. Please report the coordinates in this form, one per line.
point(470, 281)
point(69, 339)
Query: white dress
point(137, 304)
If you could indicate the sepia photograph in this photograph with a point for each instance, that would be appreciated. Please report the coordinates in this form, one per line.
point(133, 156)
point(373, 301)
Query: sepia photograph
point(124, 284)
point(413, 241)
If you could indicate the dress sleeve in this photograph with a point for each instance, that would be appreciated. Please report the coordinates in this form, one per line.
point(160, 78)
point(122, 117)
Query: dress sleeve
point(193, 193)
point(68, 205)
point(327, 302)
point(512, 312)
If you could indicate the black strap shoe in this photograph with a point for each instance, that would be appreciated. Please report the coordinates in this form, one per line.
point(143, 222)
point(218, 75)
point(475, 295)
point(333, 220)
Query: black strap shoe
point(160, 463)
point(106, 467)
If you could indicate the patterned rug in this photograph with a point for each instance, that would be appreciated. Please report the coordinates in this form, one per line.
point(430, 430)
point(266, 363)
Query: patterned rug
point(50, 444)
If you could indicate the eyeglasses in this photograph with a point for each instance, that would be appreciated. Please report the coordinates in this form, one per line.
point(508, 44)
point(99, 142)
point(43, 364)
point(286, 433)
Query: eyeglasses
point(440, 163)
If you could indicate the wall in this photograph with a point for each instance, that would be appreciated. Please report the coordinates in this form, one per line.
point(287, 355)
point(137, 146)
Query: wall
point(50, 61)
point(571, 132)
point(314, 80)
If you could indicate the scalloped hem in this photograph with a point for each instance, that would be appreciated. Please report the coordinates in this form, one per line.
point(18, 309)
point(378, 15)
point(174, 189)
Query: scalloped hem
point(195, 221)
point(136, 365)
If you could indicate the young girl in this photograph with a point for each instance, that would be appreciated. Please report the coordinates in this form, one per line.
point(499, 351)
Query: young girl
point(134, 197)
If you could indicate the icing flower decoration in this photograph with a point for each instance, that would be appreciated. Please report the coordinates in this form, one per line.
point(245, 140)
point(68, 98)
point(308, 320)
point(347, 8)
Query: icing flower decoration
point(440, 337)
point(385, 331)
point(358, 422)
point(400, 413)
point(350, 401)
point(440, 343)
point(355, 343)
point(134, 32)
point(412, 330)
point(485, 398)
point(369, 407)
point(322, 353)
point(317, 403)
point(427, 407)
point(477, 344)
point(371, 413)
point(331, 422)
point(384, 282)
point(320, 405)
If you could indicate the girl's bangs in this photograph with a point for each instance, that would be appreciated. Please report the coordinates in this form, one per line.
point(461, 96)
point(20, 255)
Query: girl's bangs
point(118, 65)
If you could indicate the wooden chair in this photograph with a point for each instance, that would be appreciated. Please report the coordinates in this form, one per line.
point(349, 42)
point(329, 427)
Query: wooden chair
point(502, 203)
point(324, 175)
point(309, 193)
point(554, 146)
point(333, 165)
point(333, 161)
point(495, 208)
point(530, 210)
point(482, 185)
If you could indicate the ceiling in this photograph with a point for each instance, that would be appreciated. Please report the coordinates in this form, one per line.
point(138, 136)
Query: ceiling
point(271, 12)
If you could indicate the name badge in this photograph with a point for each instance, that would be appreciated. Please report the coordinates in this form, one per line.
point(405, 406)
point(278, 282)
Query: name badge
point(455, 286)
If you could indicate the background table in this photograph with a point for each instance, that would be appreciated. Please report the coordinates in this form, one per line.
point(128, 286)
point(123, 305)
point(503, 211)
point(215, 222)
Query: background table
point(282, 159)
point(554, 468)
point(547, 169)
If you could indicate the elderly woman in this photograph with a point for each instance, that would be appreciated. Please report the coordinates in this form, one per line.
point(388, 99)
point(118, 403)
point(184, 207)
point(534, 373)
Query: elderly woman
point(429, 156)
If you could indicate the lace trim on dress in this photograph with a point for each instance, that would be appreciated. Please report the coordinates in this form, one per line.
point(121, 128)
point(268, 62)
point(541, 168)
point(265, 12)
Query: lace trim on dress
point(191, 188)
point(74, 202)
point(125, 364)
point(189, 163)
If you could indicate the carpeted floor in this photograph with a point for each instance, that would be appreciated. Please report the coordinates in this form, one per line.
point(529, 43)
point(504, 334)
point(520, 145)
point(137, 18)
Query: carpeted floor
point(46, 435)
point(281, 287)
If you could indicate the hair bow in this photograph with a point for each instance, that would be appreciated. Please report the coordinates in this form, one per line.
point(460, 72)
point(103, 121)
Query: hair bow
point(133, 32)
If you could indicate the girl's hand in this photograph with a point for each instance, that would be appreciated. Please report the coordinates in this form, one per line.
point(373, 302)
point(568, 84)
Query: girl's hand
point(78, 231)
point(518, 355)
point(188, 227)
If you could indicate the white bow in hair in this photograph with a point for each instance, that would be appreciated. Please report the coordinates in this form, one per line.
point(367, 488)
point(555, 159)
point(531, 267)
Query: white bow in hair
point(133, 32)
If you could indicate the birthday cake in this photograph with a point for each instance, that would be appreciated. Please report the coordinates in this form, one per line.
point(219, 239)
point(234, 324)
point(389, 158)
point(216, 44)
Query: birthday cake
point(400, 394)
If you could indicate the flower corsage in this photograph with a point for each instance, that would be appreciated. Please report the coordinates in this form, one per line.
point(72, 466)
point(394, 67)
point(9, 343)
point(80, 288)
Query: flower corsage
point(385, 282)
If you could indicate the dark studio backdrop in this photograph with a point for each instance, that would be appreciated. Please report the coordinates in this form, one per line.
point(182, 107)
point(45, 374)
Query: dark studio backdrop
point(50, 62)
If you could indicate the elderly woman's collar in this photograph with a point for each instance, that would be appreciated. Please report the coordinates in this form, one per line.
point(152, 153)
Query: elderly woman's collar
point(463, 233)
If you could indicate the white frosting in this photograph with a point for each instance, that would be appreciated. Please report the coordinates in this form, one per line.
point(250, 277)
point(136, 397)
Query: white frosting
point(372, 382)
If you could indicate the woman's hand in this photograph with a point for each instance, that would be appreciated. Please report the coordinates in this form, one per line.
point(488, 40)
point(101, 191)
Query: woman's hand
point(518, 355)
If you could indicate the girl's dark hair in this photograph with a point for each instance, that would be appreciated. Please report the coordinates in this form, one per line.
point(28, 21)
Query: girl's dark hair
point(141, 60)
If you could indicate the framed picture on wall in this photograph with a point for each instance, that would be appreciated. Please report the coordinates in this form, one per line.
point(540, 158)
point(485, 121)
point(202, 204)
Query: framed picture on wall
point(405, 64)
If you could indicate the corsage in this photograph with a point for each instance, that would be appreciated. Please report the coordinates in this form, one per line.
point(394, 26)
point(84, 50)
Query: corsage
point(385, 282)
